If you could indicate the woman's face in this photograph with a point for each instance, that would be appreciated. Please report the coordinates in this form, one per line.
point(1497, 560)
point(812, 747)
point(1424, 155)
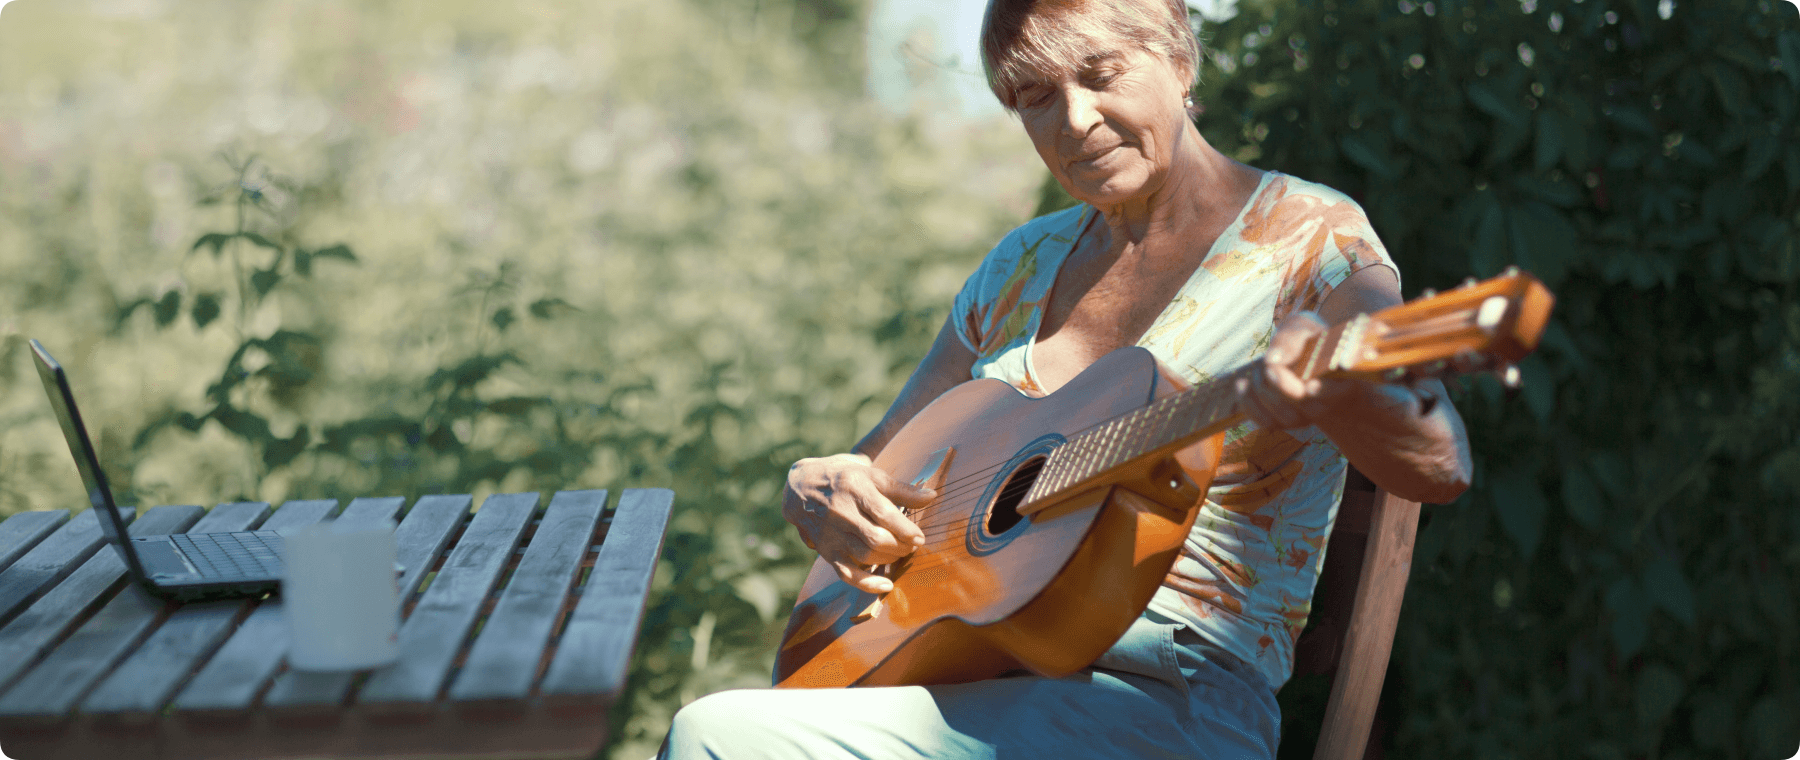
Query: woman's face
point(1107, 130)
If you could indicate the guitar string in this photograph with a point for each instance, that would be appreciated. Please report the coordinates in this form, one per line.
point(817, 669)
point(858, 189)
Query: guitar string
point(980, 478)
point(941, 534)
point(1141, 436)
point(1199, 393)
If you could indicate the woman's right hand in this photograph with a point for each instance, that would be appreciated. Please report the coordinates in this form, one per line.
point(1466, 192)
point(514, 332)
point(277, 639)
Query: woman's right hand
point(848, 510)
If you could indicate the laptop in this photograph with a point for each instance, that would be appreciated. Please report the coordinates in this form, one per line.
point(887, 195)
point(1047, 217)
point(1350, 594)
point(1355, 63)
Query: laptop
point(179, 566)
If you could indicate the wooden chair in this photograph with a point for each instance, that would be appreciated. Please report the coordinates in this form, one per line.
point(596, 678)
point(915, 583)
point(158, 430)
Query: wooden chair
point(1356, 606)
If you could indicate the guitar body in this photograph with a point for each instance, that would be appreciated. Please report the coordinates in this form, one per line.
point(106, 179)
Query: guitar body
point(991, 591)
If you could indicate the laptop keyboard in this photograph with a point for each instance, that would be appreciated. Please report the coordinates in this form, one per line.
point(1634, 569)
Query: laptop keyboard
point(229, 556)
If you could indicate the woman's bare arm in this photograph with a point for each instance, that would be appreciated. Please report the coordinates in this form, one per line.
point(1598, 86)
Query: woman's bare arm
point(844, 507)
point(945, 366)
point(1409, 441)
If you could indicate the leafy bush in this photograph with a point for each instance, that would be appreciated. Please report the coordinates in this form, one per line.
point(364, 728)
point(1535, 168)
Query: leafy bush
point(504, 258)
point(1620, 581)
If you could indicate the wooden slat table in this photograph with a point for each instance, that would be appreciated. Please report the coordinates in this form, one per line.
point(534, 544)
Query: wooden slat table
point(518, 628)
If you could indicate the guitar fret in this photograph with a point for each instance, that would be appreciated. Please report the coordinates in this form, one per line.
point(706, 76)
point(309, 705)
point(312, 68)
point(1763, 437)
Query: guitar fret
point(1140, 437)
point(1084, 462)
point(1073, 463)
point(1167, 420)
point(1134, 444)
point(1079, 464)
point(1127, 439)
point(1165, 425)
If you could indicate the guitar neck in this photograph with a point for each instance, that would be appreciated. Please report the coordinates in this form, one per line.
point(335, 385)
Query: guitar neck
point(1488, 325)
point(1178, 420)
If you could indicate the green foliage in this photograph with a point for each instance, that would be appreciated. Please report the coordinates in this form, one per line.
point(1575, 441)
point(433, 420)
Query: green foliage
point(623, 245)
point(554, 275)
point(1619, 581)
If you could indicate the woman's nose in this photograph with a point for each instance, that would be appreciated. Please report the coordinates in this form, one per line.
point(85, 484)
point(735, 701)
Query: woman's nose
point(1081, 114)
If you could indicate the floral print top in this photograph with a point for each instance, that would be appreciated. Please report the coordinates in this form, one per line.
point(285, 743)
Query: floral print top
point(1245, 577)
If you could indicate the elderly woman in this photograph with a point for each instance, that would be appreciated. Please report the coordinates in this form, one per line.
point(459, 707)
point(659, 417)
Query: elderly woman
point(1209, 264)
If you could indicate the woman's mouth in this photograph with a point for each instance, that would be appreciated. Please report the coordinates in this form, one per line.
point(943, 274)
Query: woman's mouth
point(1093, 156)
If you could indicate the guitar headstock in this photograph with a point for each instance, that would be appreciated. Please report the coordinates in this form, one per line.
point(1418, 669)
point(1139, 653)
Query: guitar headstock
point(1481, 326)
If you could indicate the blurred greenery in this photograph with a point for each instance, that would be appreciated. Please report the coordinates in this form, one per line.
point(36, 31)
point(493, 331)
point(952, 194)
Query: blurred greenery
point(323, 249)
point(296, 250)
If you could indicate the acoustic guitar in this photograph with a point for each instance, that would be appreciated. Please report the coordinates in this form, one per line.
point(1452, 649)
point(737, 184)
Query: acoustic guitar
point(1057, 517)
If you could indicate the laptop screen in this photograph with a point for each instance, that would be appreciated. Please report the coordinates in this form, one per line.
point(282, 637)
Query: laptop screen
point(56, 383)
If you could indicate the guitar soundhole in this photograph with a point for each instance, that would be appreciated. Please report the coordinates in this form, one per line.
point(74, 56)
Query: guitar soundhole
point(1005, 513)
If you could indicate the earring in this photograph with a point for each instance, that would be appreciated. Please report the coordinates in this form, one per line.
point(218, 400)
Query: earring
point(1187, 100)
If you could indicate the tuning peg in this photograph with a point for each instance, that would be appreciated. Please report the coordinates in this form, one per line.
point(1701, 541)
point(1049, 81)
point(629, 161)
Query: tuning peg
point(1467, 360)
point(1428, 293)
point(1394, 375)
point(1511, 271)
point(1491, 311)
point(1468, 282)
point(1509, 376)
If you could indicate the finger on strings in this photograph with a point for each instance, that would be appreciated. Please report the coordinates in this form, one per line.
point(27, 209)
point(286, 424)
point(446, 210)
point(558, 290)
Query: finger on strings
point(890, 531)
point(1258, 406)
point(902, 492)
point(860, 577)
point(1246, 392)
point(887, 513)
point(1281, 380)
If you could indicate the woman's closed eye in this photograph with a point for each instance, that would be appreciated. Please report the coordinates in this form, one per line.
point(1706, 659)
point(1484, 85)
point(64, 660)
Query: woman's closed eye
point(1035, 96)
point(1100, 79)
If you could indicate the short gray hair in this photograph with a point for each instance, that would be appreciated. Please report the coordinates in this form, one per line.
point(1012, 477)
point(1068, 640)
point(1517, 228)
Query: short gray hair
point(1056, 36)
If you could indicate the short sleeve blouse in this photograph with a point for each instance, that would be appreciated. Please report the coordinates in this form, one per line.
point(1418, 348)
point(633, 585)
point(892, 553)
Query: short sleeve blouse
point(1245, 576)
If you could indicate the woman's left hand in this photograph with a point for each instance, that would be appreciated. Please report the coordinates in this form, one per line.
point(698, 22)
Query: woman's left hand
point(1277, 398)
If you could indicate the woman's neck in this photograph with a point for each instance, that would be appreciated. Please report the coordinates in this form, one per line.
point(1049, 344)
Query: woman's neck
point(1201, 188)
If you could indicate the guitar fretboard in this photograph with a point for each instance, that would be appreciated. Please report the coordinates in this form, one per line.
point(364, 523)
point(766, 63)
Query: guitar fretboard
point(1169, 423)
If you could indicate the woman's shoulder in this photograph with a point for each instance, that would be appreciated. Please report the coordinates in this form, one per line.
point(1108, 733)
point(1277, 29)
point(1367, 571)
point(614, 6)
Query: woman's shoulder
point(1022, 248)
point(1293, 209)
point(1290, 186)
point(1323, 232)
point(1060, 227)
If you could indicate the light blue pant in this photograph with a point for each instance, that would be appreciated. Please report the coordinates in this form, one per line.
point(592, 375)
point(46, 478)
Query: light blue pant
point(1161, 692)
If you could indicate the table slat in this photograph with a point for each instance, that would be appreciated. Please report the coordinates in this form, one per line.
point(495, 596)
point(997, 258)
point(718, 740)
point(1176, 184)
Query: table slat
point(232, 517)
point(238, 670)
point(370, 512)
point(435, 631)
point(420, 538)
point(595, 651)
point(51, 561)
point(42, 624)
point(149, 676)
point(24, 530)
point(300, 513)
point(425, 533)
point(504, 660)
point(53, 687)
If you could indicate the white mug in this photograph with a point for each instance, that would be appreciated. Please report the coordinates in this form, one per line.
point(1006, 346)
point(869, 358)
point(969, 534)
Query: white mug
point(341, 597)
